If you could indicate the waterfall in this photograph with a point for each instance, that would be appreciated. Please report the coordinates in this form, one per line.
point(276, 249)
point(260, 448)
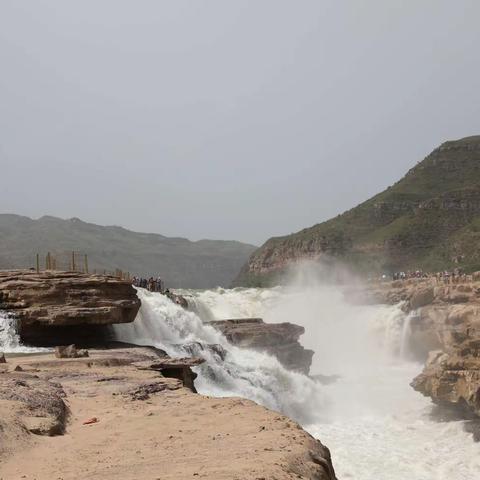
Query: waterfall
point(9, 338)
point(406, 335)
point(222, 304)
point(201, 309)
point(241, 372)
point(375, 425)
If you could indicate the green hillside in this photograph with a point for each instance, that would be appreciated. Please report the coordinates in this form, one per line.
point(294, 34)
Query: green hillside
point(430, 219)
point(180, 262)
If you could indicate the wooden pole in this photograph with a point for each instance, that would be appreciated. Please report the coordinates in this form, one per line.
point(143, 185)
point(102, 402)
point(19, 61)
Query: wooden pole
point(73, 262)
point(86, 263)
point(38, 263)
point(48, 263)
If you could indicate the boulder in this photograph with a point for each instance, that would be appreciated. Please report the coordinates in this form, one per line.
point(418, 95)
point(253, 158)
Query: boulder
point(280, 340)
point(38, 403)
point(70, 351)
point(422, 297)
point(179, 368)
point(452, 379)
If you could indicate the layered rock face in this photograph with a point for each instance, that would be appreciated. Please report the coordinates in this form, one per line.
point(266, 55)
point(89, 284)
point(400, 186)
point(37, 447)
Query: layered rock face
point(445, 330)
point(430, 219)
point(442, 315)
point(452, 378)
point(52, 308)
point(278, 339)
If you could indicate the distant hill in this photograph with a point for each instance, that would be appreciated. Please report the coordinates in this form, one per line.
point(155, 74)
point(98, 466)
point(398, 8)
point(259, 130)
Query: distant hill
point(430, 219)
point(180, 262)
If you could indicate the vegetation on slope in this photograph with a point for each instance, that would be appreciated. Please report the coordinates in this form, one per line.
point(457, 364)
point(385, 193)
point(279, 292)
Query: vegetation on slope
point(428, 220)
point(180, 262)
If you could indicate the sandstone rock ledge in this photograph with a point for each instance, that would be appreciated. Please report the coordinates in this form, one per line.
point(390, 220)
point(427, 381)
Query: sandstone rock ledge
point(278, 339)
point(452, 379)
point(51, 306)
point(144, 425)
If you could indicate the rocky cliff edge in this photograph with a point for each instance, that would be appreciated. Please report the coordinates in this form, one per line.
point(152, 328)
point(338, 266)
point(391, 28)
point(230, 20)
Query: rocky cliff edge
point(51, 304)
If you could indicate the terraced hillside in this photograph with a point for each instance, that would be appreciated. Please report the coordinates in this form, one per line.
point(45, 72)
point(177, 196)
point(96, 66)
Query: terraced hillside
point(430, 219)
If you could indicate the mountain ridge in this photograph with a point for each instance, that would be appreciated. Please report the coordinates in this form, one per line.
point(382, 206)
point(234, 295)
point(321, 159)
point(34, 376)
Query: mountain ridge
point(180, 262)
point(429, 219)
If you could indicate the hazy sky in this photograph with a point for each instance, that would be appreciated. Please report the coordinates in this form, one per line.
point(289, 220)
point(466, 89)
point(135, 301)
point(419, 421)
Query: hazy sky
point(229, 119)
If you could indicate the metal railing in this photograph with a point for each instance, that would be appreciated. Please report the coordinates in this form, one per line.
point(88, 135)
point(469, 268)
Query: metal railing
point(72, 261)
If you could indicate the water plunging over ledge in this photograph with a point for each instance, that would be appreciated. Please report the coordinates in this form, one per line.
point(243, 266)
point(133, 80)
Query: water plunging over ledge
point(9, 338)
point(375, 425)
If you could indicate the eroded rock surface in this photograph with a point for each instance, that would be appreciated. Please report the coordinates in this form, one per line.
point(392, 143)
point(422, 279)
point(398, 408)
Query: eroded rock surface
point(70, 351)
point(147, 425)
point(54, 306)
point(180, 368)
point(278, 339)
point(38, 403)
point(452, 378)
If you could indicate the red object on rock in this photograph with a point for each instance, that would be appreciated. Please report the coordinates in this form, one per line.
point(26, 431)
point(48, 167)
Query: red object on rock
point(90, 421)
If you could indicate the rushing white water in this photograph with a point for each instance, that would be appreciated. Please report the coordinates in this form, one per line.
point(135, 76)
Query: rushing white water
point(376, 426)
point(406, 333)
point(221, 303)
point(9, 339)
point(241, 372)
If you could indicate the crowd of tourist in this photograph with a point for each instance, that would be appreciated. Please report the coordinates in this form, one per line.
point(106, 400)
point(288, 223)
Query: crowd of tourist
point(151, 284)
point(157, 285)
point(409, 274)
point(455, 276)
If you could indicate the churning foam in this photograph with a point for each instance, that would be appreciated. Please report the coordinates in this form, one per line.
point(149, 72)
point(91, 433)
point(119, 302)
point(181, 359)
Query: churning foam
point(9, 339)
point(242, 372)
point(375, 424)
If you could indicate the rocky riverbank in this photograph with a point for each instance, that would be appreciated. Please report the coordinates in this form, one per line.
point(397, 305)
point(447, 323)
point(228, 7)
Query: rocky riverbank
point(126, 413)
point(445, 332)
point(133, 413)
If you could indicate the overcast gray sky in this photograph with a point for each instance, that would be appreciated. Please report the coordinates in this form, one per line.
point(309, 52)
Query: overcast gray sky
point(226, 119)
